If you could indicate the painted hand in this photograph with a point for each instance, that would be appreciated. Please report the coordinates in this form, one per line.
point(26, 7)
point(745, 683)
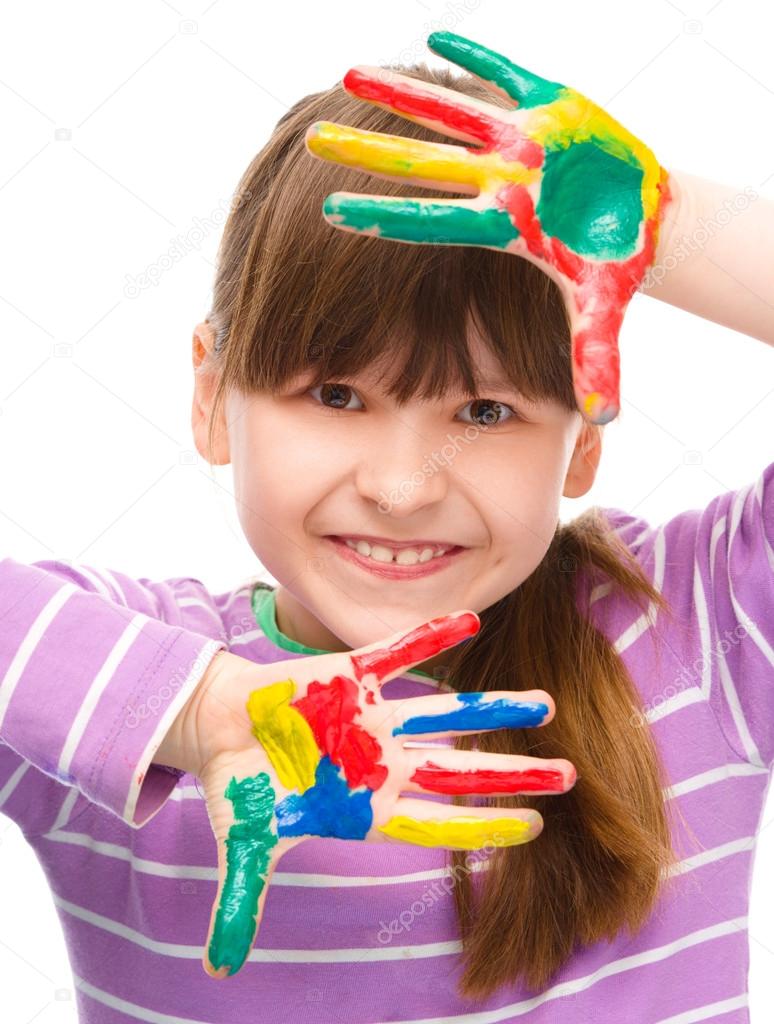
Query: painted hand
point(556, 180)
point(309, 748)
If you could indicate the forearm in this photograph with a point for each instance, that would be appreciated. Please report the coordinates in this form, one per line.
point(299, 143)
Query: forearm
point(715, 255)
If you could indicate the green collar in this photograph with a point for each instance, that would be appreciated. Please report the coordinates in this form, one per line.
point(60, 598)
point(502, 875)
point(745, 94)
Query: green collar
point(264, 608)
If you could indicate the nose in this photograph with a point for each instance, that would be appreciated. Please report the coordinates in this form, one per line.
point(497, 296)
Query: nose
point(402, 474)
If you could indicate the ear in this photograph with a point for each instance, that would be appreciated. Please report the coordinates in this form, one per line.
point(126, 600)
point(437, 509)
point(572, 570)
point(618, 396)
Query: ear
point(584, 462)
point(206, 375)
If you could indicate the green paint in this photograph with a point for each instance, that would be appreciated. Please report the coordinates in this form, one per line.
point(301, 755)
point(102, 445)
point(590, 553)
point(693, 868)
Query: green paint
point(248, 845)
point(410, 220)
point(528, 89)
point(591, 201)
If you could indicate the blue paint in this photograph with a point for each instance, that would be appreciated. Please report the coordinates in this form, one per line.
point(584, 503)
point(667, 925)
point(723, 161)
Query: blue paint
point(476, 714)
point(328, 808)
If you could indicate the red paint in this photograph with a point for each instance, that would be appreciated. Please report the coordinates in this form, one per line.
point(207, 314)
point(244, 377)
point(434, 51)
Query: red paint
point(330, 709)
point(420, 644)
point(437, 779)
point(369, 697)
point(417, 101)
point(602, 293)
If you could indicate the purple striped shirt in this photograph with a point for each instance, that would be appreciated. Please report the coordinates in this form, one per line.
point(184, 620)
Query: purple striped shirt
point(94, 666)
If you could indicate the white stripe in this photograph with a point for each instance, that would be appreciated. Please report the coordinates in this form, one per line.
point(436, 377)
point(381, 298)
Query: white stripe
point(742, 618)
point(698, 860)
point(198, 668)
point(89, 574)
point(210, 874)
point(262, 956)
point(659, 953)
point(568, 988)
point(634, 632)
point(14, 781)
point(705, 630)
point(766, 546)
point(246, 638)
point(694, 1016)
point(244, 589)
point(690, 695)
point(700, 1013)
point(28, 645)
point(732, 700)
point(64, 811)
point(131, 1009)
point(185, 793)
point(720, 774)
point(316, 880)
point(116, 585)
point(97, 687)
point(647, 619)
point(194, 602)
point(601, 590)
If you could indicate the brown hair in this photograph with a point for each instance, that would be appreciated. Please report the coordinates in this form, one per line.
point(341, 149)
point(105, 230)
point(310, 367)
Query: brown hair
point(294, 294)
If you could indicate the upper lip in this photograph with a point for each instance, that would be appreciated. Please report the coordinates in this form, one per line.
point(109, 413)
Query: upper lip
point(397, 544)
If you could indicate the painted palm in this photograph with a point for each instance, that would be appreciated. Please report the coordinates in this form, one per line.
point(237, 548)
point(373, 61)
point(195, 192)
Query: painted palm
point(556, 180)
point(324, 757)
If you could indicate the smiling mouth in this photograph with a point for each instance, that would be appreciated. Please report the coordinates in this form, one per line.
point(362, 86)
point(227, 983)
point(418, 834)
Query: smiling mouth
point(414, 563)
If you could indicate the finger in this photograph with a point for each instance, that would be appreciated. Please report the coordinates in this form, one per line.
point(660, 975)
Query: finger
point(427, 823)
point(436, 164)
point(246, 858)
point(460, 713)
point(443, 110)
point(596, 366)
point(433, 221)
point(405, 649)
point(474, 771)
point(495, 71)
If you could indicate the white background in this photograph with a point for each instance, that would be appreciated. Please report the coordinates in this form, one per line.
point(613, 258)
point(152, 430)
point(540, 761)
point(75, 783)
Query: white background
point(126, 129)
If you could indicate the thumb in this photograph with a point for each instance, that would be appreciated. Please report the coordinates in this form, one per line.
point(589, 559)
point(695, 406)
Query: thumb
point(248, 851)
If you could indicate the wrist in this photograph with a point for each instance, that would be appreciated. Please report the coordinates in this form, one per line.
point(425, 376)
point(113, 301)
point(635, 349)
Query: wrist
point(671, 215)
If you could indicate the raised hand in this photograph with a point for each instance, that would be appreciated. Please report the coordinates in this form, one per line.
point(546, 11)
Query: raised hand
point(556, 180)
point(309, 747)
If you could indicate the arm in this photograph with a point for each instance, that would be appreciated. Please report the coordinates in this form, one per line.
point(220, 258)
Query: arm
point(715, 255)
point(94, 668)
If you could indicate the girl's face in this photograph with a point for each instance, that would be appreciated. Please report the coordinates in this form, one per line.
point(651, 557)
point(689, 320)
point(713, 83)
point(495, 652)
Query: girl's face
point(344, 461)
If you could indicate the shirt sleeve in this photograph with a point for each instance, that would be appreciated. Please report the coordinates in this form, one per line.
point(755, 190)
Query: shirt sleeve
point(94, 668)
point(718, 564)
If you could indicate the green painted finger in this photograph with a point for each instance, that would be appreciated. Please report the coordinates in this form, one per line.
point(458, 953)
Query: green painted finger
point(440, 222)
point(248, 849)
point(525, 87)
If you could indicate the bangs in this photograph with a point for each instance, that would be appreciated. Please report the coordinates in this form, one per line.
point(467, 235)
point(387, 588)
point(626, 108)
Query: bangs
point(295, 295)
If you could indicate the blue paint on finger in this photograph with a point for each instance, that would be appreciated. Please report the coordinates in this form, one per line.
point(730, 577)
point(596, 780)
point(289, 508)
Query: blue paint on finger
point(476, 714)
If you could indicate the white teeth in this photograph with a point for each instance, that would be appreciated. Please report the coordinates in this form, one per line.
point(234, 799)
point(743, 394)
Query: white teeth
point(403, 556)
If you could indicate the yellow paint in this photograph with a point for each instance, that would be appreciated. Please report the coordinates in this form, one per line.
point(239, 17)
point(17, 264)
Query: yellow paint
point(285, 735)
point(575, 118)
point(414, 158)
point(462, 832)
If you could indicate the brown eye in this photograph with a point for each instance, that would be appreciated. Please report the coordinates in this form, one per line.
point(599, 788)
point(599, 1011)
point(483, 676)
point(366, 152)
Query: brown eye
point(490, 412)
point(333, 395)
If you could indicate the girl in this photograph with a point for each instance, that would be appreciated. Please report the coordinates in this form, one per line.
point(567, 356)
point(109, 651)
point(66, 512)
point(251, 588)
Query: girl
point(402, 421)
